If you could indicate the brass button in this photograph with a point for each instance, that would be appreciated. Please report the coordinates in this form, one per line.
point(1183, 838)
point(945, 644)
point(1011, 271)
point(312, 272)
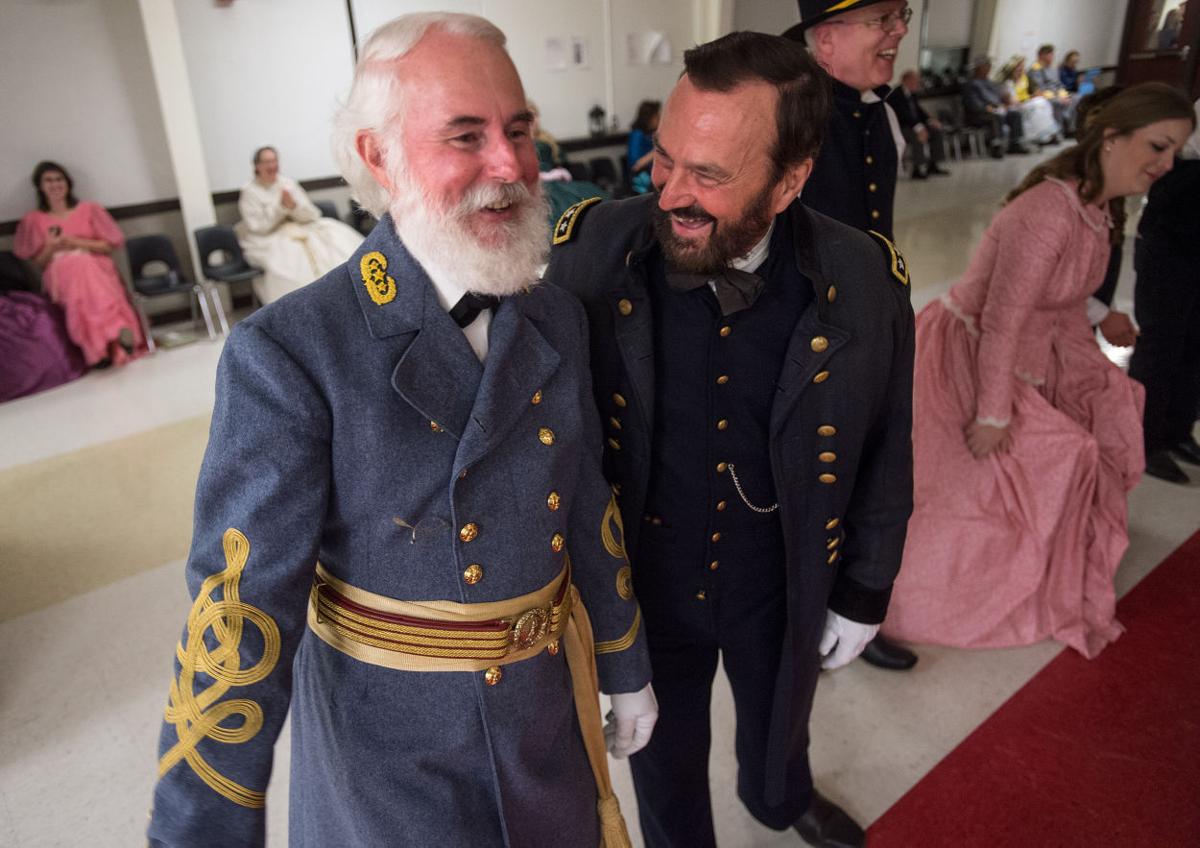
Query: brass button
point(624, 306)
point(821, 377)
point(701, 595)
point(615, 422)
point(473, 574)
point(722, 424)
point(553, 501)
point(619, 400)
point(827, 478)
point(827, 430)
point(721, 506)
point(870, 160)
point(832, 558)
point(545, 435)
point(435, 427)
point(832, 524)
point(721, 466)
point(552, 647)
point(725, 331)
point(716, 537)
point(714, 565)
point(613, 443)
point(831, 294)
point(462, 475)
point(857, 114)
point(819, 344)
point(722, 380)
point(831, 544)
point(874, 214)
point(827, 456)
point(537, 397)
point(556, 542)
point(656, 521)
point(872, 187)
point(468, 532)
point(492, 675)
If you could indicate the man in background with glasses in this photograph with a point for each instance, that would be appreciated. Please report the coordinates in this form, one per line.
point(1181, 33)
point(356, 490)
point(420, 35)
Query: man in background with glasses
point(854, 176)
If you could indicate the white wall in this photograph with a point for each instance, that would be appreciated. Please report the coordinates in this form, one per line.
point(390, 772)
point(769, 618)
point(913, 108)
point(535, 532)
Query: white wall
point(1093, 27)
point(78, 89)
point(773, 16)
point(949, 22)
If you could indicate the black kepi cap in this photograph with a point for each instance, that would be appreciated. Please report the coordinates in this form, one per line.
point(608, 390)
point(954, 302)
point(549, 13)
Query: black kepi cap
point(814, 11)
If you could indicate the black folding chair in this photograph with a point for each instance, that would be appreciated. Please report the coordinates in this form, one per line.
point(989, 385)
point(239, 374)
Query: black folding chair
point(328, 209)
point(222, 261)
point(604, 173)
point(149, 282)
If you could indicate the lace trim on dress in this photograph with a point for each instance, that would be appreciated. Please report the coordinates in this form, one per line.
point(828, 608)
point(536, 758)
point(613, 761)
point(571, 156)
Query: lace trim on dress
point(956, 310)
point(1094, 216)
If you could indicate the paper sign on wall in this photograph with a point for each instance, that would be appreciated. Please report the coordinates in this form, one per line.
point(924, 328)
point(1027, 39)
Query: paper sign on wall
point(648, 48)
point(564, 53)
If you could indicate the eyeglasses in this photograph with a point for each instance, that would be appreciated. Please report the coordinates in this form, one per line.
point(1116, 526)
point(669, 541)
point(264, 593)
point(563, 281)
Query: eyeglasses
point(889, 23)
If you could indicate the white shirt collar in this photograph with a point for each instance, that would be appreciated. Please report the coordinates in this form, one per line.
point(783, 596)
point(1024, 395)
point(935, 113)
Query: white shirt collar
point(450, 293)
point(757, 255)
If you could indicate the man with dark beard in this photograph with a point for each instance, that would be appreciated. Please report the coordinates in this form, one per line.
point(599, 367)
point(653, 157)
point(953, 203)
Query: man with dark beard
point(401, 517)
point(752, 362)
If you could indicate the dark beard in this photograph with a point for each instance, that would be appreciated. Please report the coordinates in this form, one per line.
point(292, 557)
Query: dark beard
point(727, 242)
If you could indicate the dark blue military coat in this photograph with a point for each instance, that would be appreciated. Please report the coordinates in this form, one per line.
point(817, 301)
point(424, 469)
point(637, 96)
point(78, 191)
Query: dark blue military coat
point(840, 424)
point(355, 426)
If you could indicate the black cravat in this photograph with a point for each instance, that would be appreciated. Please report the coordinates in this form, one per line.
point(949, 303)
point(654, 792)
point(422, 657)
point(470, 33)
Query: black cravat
point(468, 308)
point(735, 290)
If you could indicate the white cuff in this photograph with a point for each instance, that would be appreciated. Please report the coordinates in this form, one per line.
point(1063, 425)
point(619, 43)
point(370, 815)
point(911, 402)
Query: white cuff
point(1096, 311)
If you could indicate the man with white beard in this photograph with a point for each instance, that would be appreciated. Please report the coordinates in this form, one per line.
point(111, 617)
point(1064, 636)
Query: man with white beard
point(402, 530)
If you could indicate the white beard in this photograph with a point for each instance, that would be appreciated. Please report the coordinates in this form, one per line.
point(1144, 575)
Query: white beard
point(442, 243)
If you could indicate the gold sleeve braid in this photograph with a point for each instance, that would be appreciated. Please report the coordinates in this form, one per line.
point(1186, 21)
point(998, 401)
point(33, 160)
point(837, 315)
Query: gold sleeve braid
point(612, 535)
point(198, 716)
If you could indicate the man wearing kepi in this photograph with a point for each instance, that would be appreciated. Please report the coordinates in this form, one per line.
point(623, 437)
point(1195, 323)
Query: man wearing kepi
point(401, 516)
point(854, 177)
point(752, 361)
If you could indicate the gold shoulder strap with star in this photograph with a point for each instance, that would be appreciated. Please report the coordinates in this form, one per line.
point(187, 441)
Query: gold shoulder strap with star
point(898, 266)
point(564, 230)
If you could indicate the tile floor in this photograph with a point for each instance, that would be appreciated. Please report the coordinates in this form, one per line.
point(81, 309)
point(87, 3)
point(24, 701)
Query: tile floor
point(82, 684)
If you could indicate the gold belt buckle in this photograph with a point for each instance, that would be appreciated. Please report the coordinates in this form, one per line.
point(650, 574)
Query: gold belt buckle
point(529, 627)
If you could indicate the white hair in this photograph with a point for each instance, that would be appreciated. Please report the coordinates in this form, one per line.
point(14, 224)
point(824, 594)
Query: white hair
point(375, 102)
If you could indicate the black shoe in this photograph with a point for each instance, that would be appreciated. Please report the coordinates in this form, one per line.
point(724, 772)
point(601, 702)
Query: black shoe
point(1188, 451)
point(934, 170)
point(884, 654)
point(826, 825)
point(919, 174)
point(125, 340)
point(1020, 149)
point(1159, 464)
point(102, 364)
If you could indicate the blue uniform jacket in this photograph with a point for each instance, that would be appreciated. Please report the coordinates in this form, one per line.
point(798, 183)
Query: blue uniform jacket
point(355, 426)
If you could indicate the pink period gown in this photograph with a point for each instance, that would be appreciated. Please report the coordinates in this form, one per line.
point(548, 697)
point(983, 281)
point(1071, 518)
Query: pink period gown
point(1023, 545)
point(86, 285)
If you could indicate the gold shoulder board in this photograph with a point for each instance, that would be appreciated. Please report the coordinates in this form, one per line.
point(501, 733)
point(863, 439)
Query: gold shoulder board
point(564, 230)
point(898, 265)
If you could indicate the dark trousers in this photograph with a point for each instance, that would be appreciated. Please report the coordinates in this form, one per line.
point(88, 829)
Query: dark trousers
point(1005, 130)
point(924, 154)
point(742, 618)
point(1166, 360)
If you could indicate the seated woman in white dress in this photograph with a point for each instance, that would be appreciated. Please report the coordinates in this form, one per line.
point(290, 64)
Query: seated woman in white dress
point(1037, 113)
point(283, 233)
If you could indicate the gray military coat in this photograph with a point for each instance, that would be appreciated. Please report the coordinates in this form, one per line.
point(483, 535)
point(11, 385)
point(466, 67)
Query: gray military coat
point(355, 426)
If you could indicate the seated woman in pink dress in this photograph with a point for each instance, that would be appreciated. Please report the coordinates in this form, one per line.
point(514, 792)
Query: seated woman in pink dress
point(1026, 438)
point(70, 242)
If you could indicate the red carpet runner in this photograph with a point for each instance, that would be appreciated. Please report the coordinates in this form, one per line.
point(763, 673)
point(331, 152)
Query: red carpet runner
point(1087, 754)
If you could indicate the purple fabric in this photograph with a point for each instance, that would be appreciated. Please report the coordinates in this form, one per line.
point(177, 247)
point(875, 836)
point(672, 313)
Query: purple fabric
point(35, 353)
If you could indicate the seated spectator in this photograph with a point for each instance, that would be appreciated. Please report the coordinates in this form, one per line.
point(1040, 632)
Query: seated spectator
point(922, 133)
point(70, 242)
point(560, 188)
point(983, 106)
point(1068, 72)
point(1044, 81)
point(1037, 115)
point(283, 233)
point(35, 352)
point(1026, 439)
point(641, 144)
point(1166, 302)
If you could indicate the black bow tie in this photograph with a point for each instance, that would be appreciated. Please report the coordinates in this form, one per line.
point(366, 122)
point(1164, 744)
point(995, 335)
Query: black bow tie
point(735, 290)
point(468, 308)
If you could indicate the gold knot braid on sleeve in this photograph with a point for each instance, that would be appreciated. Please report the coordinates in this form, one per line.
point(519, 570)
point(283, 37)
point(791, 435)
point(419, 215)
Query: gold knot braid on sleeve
point(448, 636)
point(198, 715)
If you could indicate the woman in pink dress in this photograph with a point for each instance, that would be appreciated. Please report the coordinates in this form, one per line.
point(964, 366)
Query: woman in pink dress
point(70, 242)
point(1026, 438)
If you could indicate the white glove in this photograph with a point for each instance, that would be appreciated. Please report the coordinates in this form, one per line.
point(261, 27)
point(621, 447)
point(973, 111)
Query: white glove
point(843, 640)
point(630, 722)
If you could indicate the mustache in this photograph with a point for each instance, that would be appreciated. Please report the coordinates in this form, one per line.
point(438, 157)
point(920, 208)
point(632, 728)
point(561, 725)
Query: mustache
point(695, 212)
point(477, 197)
